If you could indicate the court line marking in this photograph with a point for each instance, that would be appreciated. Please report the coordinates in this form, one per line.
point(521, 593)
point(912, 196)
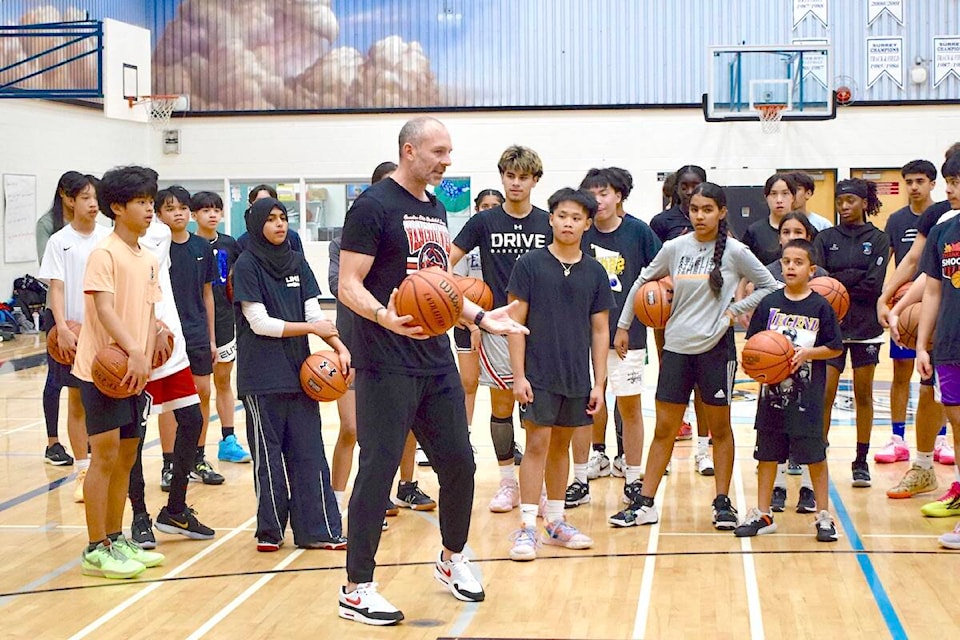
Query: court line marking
point(126, 604)
point(754, 611)
point(243, 597)
point(889, 614)
point(30, 425)
point(650, 561)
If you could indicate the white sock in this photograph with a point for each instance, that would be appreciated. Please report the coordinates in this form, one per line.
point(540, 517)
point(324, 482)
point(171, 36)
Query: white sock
point(924, 459)
point(686, 415)
point(805, 479)
point(528, 515)
point(554, 510)
point(83, 465)
point(580, 472)
point(632, 472)
point(781, 478)
point(341, 500)
point(507, 472)
point(703, 443)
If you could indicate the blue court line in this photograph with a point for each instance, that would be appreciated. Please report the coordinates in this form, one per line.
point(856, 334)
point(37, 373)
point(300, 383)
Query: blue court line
point(866, 566)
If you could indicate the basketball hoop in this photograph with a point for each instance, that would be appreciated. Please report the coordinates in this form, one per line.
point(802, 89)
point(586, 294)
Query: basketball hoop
point(770, 116)
point(159, 108)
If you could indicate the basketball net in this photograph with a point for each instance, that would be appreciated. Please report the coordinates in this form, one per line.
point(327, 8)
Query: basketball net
point(770, 116)
point(159, 109)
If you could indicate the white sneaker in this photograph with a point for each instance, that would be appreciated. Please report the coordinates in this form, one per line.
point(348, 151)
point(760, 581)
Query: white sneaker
point(951, 540)
point(598, 466)
point(563, 534)
point(367, 606)
point(525, 545)
point(78, 486)
point(617, 469)
point(943, 451)
point(421, 458)
point(704, 464)
point(456, 575)
point(507, 497)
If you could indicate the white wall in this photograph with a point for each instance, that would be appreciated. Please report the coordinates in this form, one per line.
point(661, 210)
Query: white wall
point(46, 139)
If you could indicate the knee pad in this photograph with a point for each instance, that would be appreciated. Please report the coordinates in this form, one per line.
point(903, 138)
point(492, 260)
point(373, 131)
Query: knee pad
point(501, 431)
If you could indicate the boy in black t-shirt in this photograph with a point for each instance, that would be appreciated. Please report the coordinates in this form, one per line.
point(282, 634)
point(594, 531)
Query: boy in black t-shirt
point(790, 414)
point(207, 210)
point(192, 272)
point(551, 365)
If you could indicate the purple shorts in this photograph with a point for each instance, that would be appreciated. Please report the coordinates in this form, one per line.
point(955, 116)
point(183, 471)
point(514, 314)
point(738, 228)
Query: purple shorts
point(948, 381)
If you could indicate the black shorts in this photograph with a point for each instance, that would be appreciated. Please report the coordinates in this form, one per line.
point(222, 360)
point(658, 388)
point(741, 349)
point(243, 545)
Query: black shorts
point(201, 360)
point(862, 354)
point(775, 445)
point(106, 414)
point(60, 374)
point(712, 372)
point(461, 338)
point(550, 409)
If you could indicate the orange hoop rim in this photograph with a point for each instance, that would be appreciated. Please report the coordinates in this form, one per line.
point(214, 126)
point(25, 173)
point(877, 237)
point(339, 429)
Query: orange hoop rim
point(769, 111)
point(133, 101)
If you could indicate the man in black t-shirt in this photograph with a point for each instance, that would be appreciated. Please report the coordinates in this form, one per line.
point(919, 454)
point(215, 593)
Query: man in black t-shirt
point(404, 379)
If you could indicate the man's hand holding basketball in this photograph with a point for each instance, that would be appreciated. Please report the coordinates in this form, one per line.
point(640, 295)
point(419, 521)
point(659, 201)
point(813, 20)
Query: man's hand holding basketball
point(387, 318)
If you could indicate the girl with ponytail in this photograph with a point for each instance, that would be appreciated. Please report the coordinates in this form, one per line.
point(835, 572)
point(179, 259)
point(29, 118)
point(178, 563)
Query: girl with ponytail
point(706, 266)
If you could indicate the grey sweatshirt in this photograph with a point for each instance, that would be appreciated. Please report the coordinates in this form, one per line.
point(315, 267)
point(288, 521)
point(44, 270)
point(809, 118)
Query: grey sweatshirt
point(697, 320)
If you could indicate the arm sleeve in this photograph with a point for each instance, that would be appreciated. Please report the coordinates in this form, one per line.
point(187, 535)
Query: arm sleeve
point(312, 311)
point(658, 268)
point(753, 270)
point(260, 321)
point(333, 271)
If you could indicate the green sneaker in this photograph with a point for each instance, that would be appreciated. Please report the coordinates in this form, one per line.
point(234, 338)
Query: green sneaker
point(134, 551)
point(107, 561)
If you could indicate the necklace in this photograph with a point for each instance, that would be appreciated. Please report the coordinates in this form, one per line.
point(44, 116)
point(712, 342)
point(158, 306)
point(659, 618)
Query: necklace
point(566, 267)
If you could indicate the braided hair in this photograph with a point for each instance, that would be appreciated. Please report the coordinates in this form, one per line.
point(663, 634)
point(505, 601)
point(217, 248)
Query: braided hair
point(715, 193)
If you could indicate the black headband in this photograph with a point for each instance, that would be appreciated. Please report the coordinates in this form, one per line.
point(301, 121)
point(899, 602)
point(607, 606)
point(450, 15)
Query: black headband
point(853, 188)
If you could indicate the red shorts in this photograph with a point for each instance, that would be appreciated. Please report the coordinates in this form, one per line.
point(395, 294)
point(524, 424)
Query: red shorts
point(175, 391)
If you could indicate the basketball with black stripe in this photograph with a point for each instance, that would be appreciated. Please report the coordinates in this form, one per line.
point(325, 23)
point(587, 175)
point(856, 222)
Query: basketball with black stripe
point(434, 299)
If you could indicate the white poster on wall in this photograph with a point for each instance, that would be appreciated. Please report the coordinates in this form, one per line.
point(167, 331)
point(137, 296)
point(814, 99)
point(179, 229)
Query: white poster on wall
point(876, 8)
point(20, 218)
point(804, 8)
point(884, 58)
point(946, 59)
point(814, 64)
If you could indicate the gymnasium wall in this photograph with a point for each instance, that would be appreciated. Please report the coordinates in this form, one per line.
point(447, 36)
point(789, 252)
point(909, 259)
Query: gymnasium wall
point(46, 139)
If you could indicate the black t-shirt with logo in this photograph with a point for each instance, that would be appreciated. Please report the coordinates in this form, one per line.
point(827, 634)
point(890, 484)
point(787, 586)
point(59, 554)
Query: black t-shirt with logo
point(264, 364)
point(502, 240)
point(191, 267)
point(225, 254)
point(941, 260)
point(403, 234)
point(671, 224)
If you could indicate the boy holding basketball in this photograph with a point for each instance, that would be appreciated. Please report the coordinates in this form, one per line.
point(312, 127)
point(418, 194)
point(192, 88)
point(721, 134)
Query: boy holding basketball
point(121, 284)
point(790, 414)
point(550, 366)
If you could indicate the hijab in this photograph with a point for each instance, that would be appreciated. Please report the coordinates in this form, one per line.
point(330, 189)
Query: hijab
point(280, 260)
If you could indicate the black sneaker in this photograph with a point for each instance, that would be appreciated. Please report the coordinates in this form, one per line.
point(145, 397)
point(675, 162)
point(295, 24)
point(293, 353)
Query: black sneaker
point(411, 496)
point(778, 500)
point(578, 493)
point(631, 491)
point(757, 523)
point(166, 477)
point(724, 515)
point(861, 474)
point(806, 503)
point(56, 455)
point(141, 531)
point(517, 454)
point(205, 473)
point(186, 524)
point(639, 513)
point(826, 529)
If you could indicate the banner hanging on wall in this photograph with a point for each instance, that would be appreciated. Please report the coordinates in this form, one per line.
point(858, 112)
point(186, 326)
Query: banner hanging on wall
point(884, 58)
point(20, 218)
point(876, 8)
point(803, 8)
point(946, 59)
point(814, 63)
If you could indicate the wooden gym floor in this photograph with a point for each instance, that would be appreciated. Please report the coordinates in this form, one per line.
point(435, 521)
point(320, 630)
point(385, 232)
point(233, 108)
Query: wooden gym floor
point(886, 577)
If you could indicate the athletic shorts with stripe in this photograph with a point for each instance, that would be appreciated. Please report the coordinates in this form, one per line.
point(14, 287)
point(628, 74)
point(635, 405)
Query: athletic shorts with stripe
point(495, 362)
point(712, 371)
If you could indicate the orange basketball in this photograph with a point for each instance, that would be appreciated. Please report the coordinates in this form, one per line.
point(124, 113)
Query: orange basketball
point(321, 378)
point(109, 368)
point(164, 333)
point(653, 302)
point(835, 293)
point(898, 294)
point(433, 297)
point(476, 291)
point(766, 357)
point(53, 344)
point(844, 95)
point(908, 326)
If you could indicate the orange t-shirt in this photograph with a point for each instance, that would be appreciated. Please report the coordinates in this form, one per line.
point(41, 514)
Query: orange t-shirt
point(132, 276)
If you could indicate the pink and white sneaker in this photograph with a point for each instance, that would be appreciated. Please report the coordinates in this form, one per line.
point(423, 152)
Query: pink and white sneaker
point(507, 497)
point(563, 534)
point(894, 451)
point(951, 540)
point(943, 451)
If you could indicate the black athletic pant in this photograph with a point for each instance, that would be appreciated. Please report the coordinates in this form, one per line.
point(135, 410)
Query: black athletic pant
point(189, 425)
point(389, 405)
point(51, 400)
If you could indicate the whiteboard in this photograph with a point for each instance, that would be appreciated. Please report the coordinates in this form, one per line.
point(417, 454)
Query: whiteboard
point(20, 218)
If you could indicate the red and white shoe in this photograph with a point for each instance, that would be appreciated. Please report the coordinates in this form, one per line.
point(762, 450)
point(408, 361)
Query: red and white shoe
point(685, 432)
point(894, 451)
point(943, 451)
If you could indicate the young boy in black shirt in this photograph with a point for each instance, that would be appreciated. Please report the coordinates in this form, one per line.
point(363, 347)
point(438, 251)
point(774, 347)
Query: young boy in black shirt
point(790, 414)
point(550, 366)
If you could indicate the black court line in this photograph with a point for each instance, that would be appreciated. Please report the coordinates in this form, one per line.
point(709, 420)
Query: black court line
point(597, 556)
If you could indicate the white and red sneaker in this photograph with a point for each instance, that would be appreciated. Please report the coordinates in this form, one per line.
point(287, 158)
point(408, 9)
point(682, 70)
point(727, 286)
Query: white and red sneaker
point(943, 451)
point(894, 451)
point(507, 497)
point(365, 605)
point(455, 574)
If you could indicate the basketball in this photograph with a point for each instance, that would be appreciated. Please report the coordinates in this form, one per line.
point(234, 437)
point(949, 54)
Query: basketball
point(229, 287)
point(908, 326)
point(898, 294)
point(766, 357)
point(53, 344)
point(163, 334)
point(835, 293)
point(321, 378)
point(433, 297)
point(844, 95)
point(109, 368)
point(653, 302)
point(476, 291)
